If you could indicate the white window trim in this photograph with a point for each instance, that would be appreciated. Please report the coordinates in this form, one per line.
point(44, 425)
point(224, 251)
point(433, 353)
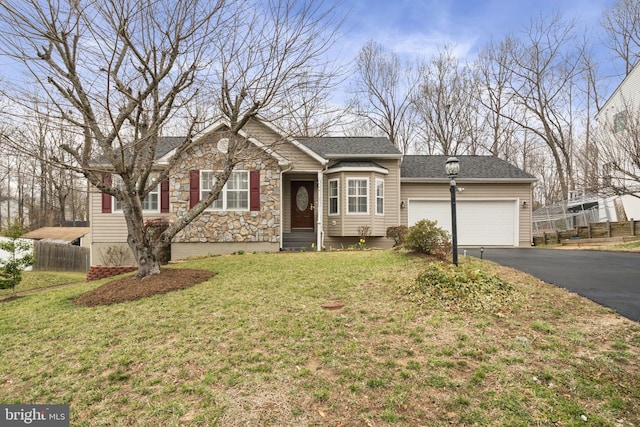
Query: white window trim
point(337, 197)
point(377, 197)
point(223, 192)
point(346, 195)
point(118, 209)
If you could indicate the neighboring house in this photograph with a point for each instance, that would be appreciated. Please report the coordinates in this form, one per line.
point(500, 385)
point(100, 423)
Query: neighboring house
point(618, 132)
point(321, 193)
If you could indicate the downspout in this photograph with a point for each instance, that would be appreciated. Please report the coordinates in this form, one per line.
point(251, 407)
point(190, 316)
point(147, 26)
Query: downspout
point(282, 172)
point(320, 211)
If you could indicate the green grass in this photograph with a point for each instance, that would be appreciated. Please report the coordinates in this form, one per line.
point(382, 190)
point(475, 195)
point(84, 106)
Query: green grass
point(252, 346)
point(33, 280)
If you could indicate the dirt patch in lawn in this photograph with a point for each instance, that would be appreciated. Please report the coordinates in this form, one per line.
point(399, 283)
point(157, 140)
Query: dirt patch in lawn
point(131, 288)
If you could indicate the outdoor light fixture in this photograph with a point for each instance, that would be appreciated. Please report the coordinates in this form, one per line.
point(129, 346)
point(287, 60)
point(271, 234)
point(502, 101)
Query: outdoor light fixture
point(452, 166)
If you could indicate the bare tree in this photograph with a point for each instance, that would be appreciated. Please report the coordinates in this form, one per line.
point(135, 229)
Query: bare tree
point(447, 104)
point(622, 25)
point(308, 111)
point(383, 92)
point(118, 71)
point(494, 95)
point(543, 69)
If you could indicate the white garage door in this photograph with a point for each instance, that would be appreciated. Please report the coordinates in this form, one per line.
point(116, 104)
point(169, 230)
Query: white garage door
point(480, 222)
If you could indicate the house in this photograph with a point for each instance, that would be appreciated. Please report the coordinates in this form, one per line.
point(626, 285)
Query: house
point(618, 158)
point(318, 193)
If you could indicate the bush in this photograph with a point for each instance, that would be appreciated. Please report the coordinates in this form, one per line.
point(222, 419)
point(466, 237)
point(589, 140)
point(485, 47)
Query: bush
point(20, 256)
point(467, 287)
point(427, 238)
point(397, 233)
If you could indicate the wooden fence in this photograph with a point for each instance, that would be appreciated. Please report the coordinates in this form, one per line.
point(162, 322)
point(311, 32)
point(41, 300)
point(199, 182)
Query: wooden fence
point(60, 257)
point(592, 231)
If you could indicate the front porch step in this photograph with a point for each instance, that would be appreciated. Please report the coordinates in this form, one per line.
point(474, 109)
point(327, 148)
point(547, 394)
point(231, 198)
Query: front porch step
point(298, 239)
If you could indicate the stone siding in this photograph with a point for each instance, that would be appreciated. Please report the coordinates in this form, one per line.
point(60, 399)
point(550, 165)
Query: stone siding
point(228, 226)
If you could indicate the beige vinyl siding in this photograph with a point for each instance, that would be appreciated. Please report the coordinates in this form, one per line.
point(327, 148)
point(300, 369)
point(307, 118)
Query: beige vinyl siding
point(108, 229)
point(300, 160)
point(475, 191)
point(346, 224)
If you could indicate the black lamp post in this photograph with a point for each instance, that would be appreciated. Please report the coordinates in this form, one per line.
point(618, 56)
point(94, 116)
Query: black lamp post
point(452, 166)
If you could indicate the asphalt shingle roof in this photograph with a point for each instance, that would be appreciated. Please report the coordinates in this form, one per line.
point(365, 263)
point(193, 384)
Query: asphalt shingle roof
point(471, 167)
point(167, 143)
point(350, 146)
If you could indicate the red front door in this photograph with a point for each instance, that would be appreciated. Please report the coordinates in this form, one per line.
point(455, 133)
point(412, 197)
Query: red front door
point(302, 204)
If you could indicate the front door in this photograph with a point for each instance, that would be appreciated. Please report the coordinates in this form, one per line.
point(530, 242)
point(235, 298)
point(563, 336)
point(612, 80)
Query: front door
point(302, 204)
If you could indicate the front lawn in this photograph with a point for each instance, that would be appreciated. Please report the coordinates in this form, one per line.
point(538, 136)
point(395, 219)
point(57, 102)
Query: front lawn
point(253, 345)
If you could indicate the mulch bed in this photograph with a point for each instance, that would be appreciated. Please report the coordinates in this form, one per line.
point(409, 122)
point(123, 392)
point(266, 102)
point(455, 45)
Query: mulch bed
point(131, 288)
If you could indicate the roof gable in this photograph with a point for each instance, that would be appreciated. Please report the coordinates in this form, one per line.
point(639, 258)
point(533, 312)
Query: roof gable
point(471, 167)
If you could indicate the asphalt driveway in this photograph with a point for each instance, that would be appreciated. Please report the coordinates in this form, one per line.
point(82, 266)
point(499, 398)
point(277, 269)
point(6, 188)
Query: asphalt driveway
point(611, 279)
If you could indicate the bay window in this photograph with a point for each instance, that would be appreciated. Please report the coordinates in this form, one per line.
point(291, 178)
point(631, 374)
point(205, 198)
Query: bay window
point(357, 195)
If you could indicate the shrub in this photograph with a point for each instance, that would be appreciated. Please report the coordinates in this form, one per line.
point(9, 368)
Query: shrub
point(467, 287)
point(20, 256)
point(398, 234)
point(427, 238)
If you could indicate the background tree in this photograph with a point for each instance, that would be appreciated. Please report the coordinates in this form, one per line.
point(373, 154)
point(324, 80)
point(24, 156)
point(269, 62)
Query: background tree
point(119, 71)
point(382, 94)
point(543, 68)
point(497, 102)
point(447, 104)
point(622, 25)
point(309, 111)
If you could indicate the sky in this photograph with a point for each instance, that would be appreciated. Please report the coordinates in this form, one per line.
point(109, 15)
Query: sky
point(418, 28)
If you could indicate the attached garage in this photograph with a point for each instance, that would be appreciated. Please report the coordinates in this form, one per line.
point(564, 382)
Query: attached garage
point(493, 201)
point(480, 222)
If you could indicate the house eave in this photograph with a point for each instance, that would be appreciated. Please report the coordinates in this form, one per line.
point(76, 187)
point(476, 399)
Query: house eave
point(357, 169)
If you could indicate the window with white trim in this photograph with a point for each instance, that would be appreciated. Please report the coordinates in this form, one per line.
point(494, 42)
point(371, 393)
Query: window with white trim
point(234, 195)
point(151, 202)
point(357, 195)
point(620, 121)
point(379, 196)
point(334, 197)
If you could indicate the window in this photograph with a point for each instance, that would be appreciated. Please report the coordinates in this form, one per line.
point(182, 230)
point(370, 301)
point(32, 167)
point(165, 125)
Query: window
point(620, 121)
point(151, 202)
point(334, 197)
point(379, 197)
point(358, 196)
point(234, 195)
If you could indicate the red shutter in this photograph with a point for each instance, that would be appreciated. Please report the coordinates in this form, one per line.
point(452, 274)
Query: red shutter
point(194, 188)
point(106, 198)
point(254, 190)
point(164, 196)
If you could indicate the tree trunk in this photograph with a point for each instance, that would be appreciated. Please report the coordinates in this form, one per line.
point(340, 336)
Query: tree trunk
point(148, 264)
point(139, 241)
